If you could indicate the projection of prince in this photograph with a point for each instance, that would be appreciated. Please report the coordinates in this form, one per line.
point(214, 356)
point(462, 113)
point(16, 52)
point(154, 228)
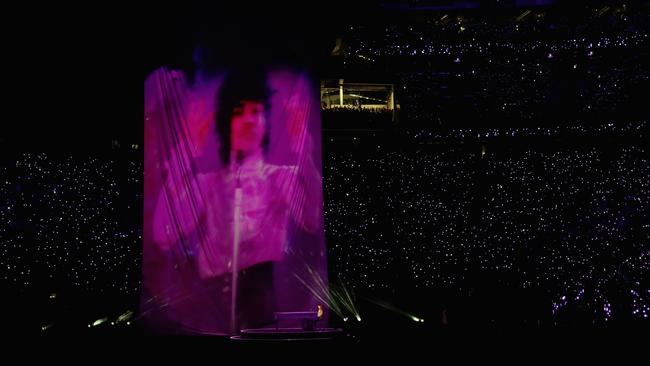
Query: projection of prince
point(233, 221)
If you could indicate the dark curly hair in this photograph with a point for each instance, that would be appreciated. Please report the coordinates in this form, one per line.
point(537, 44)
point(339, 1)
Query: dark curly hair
point(239, 85)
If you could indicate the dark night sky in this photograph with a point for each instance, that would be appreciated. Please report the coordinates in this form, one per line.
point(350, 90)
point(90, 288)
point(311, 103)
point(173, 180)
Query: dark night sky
point(76, 81)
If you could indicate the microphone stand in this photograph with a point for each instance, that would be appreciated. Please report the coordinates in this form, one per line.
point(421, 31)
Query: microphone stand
point(235, 253)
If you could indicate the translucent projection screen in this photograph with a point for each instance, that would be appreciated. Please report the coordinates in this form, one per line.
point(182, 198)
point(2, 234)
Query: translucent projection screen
point(233, 221)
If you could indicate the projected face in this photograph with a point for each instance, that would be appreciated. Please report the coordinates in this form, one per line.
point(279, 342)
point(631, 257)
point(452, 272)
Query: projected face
point(248, 126)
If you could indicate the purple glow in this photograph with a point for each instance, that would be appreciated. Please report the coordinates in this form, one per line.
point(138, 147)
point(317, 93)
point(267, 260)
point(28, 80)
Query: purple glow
point(227, 237)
